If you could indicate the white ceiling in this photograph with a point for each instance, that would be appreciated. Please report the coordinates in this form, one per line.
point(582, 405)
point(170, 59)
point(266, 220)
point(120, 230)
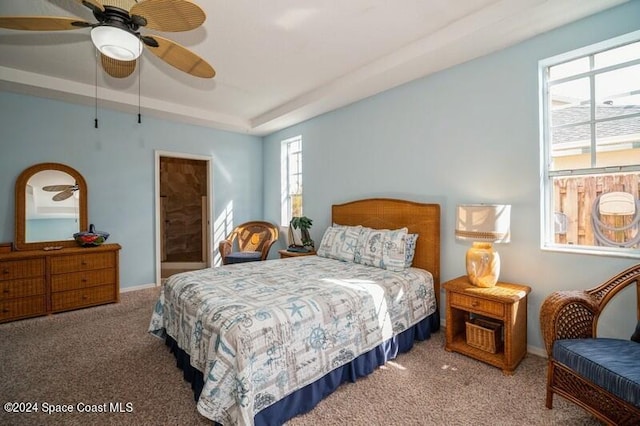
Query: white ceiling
point(278, 62)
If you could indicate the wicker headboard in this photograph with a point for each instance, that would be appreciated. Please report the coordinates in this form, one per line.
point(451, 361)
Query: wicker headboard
point(386, 213)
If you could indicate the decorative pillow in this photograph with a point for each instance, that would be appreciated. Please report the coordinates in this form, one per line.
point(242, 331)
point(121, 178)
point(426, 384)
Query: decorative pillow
point(328, 239)
point(339, 242)
point(636, 334)
point(393, 249)
point(410, 249)
point(381, 248)
point(369, 248)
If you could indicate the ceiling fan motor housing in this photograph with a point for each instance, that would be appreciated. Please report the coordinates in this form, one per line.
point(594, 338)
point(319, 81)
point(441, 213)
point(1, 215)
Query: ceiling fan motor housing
point(116, 34)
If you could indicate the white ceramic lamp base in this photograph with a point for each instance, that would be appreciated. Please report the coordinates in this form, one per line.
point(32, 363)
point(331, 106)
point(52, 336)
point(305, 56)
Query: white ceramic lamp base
point(483, 265)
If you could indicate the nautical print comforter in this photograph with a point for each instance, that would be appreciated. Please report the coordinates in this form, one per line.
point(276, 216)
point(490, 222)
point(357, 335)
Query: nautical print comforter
point(261, 330)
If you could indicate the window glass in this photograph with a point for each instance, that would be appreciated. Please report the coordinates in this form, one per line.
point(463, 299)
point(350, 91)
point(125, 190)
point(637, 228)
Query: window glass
point(291, 179)
point(566, 69)
point(618, 55)
point(591, 149)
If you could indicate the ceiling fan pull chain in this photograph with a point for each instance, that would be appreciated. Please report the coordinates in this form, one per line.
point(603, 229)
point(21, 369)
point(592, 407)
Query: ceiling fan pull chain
point(139, 83)
point(95, 121)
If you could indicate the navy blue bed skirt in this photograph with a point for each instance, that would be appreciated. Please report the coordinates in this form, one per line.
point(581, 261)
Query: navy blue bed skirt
point(305, 399)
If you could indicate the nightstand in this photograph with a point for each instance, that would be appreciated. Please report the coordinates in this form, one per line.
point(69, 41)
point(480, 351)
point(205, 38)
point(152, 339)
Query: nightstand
point(505, 304)
point(285, 253)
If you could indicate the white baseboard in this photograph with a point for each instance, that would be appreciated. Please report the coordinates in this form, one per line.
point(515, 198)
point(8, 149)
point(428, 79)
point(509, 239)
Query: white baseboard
point(138, 287)
point(537, 351)
point(183, 265)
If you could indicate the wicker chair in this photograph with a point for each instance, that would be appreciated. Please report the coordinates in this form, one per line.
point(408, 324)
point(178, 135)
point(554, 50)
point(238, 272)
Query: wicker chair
point(574, 315)
point(248, 242)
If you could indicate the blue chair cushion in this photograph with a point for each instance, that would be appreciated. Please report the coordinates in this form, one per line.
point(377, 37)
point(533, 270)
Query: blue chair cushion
point(612, 364)
point(243, 256)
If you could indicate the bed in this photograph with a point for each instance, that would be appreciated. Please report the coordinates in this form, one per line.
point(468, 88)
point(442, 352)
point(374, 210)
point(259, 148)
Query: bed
point(265, 341)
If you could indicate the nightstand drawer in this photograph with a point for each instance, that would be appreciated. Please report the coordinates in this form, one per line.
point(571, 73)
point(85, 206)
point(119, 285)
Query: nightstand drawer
point(477, 305)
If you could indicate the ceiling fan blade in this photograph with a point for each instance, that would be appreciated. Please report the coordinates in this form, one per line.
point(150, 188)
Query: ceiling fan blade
point(116, 68)
point(63, 195)
point(169, 15)
point(91, 4)
point(41, 23)
point(181, 57)
point(56, 188)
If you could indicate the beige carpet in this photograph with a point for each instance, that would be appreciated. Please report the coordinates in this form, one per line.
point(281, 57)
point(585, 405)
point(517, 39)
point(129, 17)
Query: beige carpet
point(104, 355)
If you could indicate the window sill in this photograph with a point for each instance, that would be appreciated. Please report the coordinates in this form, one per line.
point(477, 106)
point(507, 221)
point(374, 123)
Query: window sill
point(594, 251)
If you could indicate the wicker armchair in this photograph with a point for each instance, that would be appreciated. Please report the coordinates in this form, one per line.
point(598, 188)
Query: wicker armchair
point(574, 315)
point(248, 242)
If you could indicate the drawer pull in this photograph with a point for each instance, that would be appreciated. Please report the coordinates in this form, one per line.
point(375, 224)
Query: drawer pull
point(83, 263)
point(475, 303)
point(6, 291)
point(5, 271)
point(85, 297)
point(84, 280)
point(5, 310)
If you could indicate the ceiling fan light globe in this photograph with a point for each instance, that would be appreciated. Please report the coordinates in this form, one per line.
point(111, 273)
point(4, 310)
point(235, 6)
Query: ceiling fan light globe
point(116, 43)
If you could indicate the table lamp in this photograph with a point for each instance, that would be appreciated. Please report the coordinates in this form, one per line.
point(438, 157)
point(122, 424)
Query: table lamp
point(483, 224)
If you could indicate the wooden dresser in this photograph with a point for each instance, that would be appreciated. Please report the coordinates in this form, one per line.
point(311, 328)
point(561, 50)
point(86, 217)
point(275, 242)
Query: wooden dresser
point(39, 282)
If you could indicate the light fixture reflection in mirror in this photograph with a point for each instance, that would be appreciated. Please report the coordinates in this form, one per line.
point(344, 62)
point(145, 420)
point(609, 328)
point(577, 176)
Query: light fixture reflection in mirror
point(52, 204)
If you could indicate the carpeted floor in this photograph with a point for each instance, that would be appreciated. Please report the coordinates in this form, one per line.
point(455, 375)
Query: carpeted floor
point(104, 355)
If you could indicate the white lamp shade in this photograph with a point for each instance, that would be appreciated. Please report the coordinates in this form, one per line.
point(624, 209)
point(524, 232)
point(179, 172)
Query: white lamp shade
point(116, 43)
point(484, 222)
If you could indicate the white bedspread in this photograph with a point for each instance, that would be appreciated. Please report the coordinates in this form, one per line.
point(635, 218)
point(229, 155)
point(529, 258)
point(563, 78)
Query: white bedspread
point(259, 331)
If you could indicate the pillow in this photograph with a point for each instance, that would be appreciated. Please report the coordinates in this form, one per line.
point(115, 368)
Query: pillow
point(369, 248)
point(636, 334)
point(393, 250)
point(339, 242)
point(382, 248)
point(410, 249)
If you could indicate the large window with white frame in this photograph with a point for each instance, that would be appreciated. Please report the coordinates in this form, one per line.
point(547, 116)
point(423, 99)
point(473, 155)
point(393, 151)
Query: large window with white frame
point(590, 150)
point(291, 179)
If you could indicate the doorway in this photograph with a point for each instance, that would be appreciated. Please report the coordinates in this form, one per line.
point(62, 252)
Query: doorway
point(183, 213)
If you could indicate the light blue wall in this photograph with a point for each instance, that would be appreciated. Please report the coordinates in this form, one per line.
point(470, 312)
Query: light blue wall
point(466, 134)
point(118, 162)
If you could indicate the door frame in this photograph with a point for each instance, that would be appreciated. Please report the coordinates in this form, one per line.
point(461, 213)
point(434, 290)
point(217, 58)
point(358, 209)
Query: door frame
point(209, 249)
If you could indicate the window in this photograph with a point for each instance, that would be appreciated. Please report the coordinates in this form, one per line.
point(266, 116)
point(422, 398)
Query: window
point(591, 149)
point(291, 179)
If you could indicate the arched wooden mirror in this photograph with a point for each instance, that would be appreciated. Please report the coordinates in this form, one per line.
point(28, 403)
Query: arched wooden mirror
point(51, 205)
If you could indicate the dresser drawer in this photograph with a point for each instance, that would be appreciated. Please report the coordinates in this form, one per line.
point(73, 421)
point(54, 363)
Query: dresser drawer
point(21, 288)
point(72, 299)
point(82, 262)
point(476, 305)
point(12, 269)
point(78, 280)
point(22, 307)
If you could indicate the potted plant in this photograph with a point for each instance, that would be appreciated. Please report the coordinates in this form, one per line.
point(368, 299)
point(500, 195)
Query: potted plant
point(304, 224)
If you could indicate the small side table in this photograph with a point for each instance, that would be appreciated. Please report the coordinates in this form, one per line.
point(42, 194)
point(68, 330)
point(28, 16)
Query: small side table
point(505, 302)
point(285, 253)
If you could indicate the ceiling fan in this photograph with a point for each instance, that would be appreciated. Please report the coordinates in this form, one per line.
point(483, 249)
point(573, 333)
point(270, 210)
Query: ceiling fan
point(117, 37)
point(63, 191)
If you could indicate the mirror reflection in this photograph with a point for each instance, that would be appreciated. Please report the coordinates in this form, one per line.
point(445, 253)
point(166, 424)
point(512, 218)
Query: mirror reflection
point(52, 207)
